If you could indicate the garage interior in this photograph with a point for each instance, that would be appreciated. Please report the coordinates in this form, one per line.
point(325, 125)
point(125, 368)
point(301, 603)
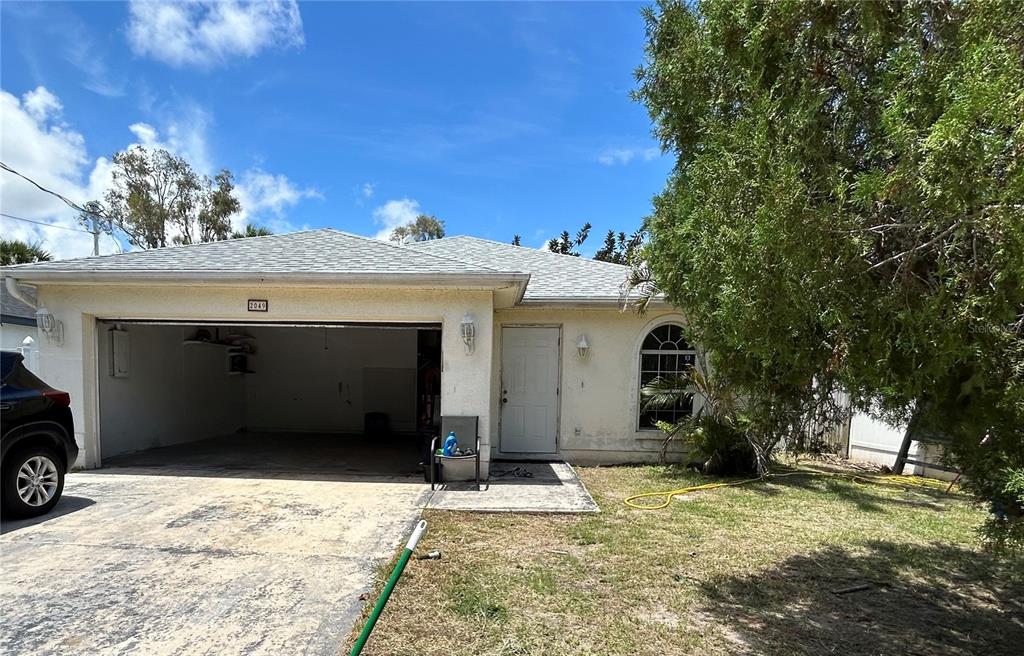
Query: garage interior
point(338, 399)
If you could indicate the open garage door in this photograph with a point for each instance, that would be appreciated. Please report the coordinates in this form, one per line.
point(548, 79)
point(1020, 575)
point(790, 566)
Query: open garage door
point(351, 399)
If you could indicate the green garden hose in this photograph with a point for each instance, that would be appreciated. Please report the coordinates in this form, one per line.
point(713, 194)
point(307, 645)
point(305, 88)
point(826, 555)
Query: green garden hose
point(396, 573)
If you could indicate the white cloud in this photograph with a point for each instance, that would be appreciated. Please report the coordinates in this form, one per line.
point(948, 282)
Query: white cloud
point(183, 133)
point(394, 213)
point(367, 190)
point(208, 34)
point(80, 51)
point(35, 141)
point(41, 104)
point(613, 156)
point(144, 132)
point(264, 198)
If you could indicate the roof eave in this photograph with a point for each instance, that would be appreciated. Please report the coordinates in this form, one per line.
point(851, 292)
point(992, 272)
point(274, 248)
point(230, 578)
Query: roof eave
point(477, 280)
point(598, 302)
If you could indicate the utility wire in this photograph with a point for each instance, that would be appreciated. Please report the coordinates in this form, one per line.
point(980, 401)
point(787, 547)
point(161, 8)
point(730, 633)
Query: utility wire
point(73, 205)
point(43, 223)
point(117, 244)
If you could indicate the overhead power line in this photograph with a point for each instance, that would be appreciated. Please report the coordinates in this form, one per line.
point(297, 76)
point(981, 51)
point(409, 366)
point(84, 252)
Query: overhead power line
point(96, 216)
point(70, 203)
point(44, 223)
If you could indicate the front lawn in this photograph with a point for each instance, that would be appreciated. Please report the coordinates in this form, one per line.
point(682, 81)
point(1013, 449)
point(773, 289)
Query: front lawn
point(754, 569)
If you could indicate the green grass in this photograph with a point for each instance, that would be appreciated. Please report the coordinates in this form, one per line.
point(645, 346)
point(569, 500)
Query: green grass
point(744, 570)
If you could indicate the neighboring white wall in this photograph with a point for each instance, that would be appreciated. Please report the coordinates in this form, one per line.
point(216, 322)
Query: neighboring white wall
point(12, 338)
point(876, 442)
point(599, 394)
point(172, 394)
point(326, 379)
point(465, 383)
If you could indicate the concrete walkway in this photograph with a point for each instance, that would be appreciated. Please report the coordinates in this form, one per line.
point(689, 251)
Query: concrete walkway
point(534, 487)
point(198, 563)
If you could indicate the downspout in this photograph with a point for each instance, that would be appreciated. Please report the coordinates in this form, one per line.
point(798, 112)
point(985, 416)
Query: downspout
point(12, 289)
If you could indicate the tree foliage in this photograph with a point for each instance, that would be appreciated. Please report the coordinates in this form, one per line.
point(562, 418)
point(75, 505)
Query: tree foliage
point(251, 231)
point(618, 248)
point(847, 209)
point(157, 199)
point(15, 251)
point(565, 244)
point(422, 228)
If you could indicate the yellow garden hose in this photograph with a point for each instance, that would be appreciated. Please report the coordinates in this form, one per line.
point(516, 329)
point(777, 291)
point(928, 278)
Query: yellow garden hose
point(664, 498)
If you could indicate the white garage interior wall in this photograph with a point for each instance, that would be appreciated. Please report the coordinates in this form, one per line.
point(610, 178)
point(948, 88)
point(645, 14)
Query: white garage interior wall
point(302, 379)
point(325, 379)
point(173, 393)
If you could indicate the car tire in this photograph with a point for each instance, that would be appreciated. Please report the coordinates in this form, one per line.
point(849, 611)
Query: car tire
point(33, 480)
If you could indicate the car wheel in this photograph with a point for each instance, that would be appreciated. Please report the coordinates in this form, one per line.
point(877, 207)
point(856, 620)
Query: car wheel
point(33, 480)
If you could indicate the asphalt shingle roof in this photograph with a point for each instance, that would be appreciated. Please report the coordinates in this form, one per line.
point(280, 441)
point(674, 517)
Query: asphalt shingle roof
point(552, 276)
point(310, 251)
point(14, 311)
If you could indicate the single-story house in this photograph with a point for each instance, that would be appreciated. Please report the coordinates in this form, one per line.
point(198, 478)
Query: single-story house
point(324, 333)
point(18, 323)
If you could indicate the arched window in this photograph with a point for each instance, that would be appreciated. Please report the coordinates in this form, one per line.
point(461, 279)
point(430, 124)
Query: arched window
point(663, 354)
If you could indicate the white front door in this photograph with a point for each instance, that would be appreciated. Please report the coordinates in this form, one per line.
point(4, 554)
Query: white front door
point(529, 389)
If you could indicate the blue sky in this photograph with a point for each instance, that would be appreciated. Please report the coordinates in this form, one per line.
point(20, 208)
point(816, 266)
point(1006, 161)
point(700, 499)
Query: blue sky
point(497, 118)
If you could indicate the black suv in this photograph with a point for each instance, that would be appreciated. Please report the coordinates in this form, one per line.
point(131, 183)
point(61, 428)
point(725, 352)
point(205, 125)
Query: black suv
point(38, 441)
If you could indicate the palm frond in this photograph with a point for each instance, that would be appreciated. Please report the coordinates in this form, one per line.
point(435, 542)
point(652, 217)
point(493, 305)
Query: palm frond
point(666, 392)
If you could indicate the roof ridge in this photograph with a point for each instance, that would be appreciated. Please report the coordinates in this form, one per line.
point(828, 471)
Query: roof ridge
point(406, 248)
point(545, 252)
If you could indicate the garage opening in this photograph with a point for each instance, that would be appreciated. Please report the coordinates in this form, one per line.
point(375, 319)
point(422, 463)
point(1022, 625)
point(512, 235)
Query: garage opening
point(330, 400)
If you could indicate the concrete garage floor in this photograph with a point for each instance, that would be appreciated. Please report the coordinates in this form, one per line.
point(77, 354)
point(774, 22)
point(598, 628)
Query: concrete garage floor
point(186, 564)
point(304, 455)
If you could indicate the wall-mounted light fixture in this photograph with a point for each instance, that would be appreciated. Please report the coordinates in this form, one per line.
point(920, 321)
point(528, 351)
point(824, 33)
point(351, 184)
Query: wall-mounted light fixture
point(582, 346)
point(467, 331)
point(49, 325)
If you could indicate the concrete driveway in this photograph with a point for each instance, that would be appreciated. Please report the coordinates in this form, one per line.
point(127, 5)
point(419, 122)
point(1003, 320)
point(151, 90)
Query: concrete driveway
point(198, 563)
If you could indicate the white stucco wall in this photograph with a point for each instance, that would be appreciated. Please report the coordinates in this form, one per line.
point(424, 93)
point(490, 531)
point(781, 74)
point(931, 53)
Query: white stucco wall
point(598, 401)
point(599, 398)
point(73, 365)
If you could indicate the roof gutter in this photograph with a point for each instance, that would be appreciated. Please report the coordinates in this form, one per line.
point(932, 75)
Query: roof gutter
point(488, 280)
point(584, 302)
point(12, 289)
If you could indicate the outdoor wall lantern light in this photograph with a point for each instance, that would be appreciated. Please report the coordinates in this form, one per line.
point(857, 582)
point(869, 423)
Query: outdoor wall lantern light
point(52, 327)
point(583, 346)
point(468, 331)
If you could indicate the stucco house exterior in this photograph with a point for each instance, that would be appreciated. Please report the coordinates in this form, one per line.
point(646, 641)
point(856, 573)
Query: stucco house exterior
point(317, 332)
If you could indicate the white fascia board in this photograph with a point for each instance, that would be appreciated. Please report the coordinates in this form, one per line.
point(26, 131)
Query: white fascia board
point(483, 280)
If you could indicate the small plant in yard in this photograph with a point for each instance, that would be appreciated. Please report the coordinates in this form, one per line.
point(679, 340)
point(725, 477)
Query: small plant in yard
point(717, 430)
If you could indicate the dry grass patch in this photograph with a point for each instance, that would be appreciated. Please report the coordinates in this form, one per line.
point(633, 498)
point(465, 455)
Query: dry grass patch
point(729, 571)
